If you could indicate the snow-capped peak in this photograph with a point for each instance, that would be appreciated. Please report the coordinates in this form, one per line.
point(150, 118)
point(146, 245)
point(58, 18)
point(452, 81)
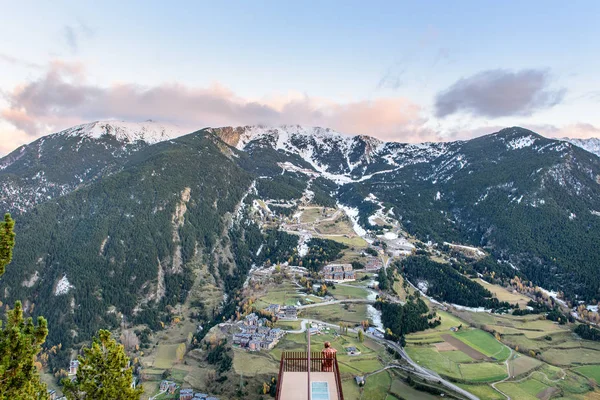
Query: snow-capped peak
point(282, 134)
point(592, 144)
point(149, 131)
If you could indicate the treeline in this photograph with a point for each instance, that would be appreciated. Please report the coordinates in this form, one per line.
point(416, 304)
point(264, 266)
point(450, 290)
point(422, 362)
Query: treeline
point(588, 333)
point(320, 252)
point(445, 283)
point(404, 319)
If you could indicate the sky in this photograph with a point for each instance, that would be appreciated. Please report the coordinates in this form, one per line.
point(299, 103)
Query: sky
point(401, 71)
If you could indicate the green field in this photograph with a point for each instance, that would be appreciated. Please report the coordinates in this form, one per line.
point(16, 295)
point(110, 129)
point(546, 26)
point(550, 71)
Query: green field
point(482, 391)
point(377, 386)
point(285, 294)
point(504, 294)
point(165, 356)
point(402, 390)
point(433, 335)
point(348, 292)
point(355, 241)
point(352, 314)
point(430, 358)
point(457, 356)
point(484, 343)
point(571, 356)
point(483, 372)
point(522, 365)
point(526, 390)
point(289, 325)
point(590, 371)
point(253, 363)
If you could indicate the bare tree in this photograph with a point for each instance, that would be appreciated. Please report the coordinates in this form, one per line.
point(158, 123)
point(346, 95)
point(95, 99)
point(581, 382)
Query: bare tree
point(130, 340)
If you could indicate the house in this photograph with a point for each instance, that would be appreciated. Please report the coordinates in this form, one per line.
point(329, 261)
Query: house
point(349, 275)
point(51, 394)
point(168, 386)
point(251, 319)
point(254, 345)
point(276, 333)
point(263, 330)
point(186, 394)
point(352, 351)
point(338, 276)
point(360, 380)
point(200, 396)
point(378, 333)
point(273, 308)
point(241, 338)
point(289, 312)
point(267, 344)
point(314, 331)
point(373, 264)
point(73, 366)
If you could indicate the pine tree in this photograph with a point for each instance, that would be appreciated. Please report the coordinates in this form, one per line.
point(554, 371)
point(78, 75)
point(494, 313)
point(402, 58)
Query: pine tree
point(7, 242)
point(20, 342)
point(20, 339)
point(361, 336)
point(103, 373)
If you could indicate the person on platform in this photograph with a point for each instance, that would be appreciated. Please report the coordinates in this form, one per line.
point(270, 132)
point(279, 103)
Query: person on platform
point(328, 356)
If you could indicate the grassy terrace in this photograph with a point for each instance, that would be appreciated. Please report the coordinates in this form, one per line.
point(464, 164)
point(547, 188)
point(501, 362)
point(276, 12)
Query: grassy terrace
point(351, 314)
point(343, 292)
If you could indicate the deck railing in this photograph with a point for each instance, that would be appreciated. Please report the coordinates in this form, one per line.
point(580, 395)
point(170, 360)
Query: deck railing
point(298, 361)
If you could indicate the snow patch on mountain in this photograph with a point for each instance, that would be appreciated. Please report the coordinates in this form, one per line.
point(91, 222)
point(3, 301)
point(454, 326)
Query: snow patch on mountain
point(521, 142)
point(592, 144)
point(63, 286)
point(150, 132)
point(352, 213)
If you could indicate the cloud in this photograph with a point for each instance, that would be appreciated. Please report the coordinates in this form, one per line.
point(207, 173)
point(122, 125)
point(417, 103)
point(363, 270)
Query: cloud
point(62, 97)
point(499, 93)
point(392, 79)
point(72, 35)
point(8, 59)
point(572, 131)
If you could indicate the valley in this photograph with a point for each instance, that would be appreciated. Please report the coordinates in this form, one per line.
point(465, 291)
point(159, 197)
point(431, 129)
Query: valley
point(438, 256)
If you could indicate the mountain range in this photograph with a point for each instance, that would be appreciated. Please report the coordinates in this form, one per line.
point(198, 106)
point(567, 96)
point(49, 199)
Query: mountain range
point(120, 220)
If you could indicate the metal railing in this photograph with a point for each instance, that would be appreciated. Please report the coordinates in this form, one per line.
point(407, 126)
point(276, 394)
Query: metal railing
point(298, 361)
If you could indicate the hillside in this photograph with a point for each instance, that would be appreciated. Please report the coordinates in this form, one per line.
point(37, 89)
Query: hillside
point(128, 243)
point(115, 222)
point(532, 201)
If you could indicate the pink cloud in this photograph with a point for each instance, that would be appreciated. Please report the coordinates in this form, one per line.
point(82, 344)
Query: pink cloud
point(573, 131)
point(63, 97)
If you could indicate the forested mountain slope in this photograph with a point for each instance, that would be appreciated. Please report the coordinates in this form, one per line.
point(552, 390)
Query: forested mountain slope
point(55, 165)
point(113, 223)
point(126, 242)
point(533, 202)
